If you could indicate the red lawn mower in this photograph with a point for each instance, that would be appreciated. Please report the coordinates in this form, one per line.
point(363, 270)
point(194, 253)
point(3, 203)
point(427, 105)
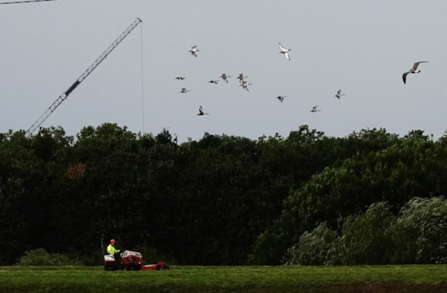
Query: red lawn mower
point(131, 261)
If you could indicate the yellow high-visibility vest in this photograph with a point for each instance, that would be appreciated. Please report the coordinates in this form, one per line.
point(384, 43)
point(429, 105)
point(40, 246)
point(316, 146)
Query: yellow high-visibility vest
point(111, 249)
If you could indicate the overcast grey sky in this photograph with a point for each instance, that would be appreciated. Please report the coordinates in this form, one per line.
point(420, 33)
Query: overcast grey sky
point(361, 47)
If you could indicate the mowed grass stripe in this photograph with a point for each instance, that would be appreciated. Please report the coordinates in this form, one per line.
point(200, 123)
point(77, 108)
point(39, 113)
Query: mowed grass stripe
point(213, 279)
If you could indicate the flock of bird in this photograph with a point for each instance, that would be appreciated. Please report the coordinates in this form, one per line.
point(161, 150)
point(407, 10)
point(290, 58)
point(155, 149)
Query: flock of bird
point(244, 84)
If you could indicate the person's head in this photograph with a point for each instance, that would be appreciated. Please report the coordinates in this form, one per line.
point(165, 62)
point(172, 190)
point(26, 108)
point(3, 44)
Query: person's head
point(112, 242)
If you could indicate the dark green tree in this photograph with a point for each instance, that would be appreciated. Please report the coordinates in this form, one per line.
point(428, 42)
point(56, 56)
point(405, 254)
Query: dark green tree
point(408, 168)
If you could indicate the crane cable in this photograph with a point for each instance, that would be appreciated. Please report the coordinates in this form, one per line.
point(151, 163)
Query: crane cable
point(142, 81)
point(29, 1)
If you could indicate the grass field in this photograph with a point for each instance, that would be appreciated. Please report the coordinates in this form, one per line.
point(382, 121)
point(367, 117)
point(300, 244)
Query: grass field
point(415, 278)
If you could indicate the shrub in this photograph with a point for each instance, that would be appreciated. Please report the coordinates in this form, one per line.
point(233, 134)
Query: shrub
point(40, 257)
point(415, 236)
point(314, 248)
point(419, 232)
point(366, 238)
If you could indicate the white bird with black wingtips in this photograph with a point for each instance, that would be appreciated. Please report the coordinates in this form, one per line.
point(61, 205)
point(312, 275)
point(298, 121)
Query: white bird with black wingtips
point(225, 77)
point(284, 51)
point(245, 85)
point(194, 50)
point(241, 77)
point(314, 109)
point(281, 98)
point(339, 94)
point(201, 113)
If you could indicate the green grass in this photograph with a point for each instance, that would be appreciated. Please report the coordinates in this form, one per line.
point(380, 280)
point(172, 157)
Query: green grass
point(416, 278)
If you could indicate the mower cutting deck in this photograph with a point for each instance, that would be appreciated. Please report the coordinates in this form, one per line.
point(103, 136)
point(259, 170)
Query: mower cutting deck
point(158, 266)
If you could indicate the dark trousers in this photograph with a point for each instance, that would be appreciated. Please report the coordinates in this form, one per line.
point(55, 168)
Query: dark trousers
point(117, 258)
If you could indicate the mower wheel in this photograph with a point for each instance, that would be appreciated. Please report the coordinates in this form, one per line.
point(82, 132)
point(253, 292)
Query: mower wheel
point(133, 268)
point(110, 267)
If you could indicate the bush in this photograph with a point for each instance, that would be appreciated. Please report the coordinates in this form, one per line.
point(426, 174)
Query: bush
point(314, 248)
point(40, 257)
point(86, 258)
point(415, 236)
point(366, 239)
point(419, 232)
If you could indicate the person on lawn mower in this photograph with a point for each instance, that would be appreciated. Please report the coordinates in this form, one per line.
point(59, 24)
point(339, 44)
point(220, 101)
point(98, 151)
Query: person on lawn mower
point(112, 250)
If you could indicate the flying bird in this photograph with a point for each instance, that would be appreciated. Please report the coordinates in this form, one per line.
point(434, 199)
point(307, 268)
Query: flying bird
point(241, 77)
point(314, 109)
point(412, 70)
point(281, 98)
point(224, 77)
point(339, 94)
point(180, 78)
point(201, 113)
point(245, 85)
point(193, 51)
point(184, 91)
point(213, 81)
point(284, 51)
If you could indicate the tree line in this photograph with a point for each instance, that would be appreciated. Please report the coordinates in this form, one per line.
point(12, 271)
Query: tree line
point(220, 200)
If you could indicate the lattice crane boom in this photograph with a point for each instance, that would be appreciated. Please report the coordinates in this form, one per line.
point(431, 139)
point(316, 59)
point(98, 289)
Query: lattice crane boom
point(84, 75)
